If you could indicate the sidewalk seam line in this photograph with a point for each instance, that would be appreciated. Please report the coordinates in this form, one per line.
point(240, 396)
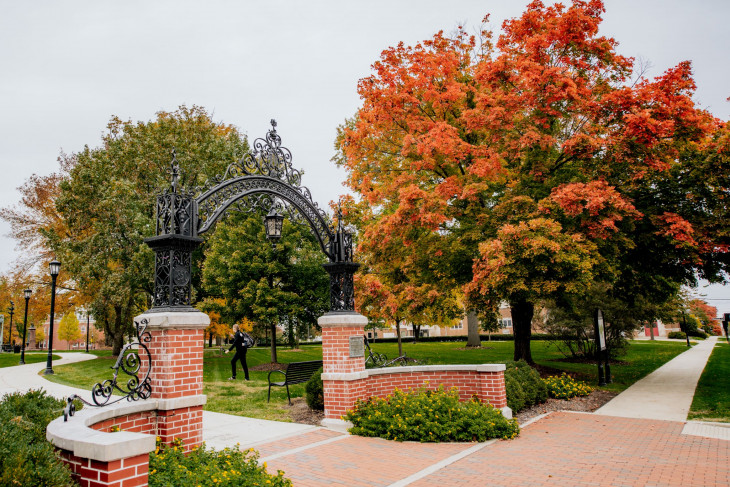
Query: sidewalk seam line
point(441, 464)
point(302, 448)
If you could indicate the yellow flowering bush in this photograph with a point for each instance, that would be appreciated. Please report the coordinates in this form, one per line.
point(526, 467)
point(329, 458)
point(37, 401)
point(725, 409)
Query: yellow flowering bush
point(229, 467)
point(565, 387)
point(429, 416)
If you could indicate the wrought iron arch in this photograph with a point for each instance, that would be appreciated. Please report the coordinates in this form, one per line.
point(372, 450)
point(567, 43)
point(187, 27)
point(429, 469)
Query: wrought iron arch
point(262, 179)
point(214, 203)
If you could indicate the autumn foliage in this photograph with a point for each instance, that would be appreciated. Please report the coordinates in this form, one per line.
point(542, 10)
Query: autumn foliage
point(526, 168)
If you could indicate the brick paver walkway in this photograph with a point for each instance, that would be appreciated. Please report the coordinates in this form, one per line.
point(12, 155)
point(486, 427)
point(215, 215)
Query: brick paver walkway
point(562, 449)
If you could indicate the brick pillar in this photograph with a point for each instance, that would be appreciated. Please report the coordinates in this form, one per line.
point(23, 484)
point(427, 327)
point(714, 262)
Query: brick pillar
point(177, 373)
point(343, 375)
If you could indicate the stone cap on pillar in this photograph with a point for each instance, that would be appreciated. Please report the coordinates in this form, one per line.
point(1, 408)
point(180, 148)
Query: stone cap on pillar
point(175, 320)
point(332, 320)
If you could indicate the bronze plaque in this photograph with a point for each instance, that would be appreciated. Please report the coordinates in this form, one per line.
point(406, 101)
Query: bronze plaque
point(357, 347)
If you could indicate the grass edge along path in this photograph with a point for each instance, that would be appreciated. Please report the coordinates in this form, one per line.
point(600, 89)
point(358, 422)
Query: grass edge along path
point(13, 359)
point(712, 396)
point(248, 398)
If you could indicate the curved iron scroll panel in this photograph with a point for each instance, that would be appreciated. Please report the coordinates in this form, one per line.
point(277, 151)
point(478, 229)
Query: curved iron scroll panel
point(130, 362)
point(214, 203)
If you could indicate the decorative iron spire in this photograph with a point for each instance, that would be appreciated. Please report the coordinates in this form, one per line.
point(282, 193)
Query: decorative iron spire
point(174, 170)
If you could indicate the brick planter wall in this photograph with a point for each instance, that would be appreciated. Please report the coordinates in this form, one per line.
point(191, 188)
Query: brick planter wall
point(345, 379)
point(99, 457)
point(128, 472)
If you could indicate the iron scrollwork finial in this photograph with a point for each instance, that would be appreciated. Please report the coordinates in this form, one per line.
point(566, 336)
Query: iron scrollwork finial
point(174, 171)
point(130, 362)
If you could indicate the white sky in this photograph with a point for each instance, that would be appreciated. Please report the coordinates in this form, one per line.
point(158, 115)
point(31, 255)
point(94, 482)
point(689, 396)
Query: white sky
point(66, 67)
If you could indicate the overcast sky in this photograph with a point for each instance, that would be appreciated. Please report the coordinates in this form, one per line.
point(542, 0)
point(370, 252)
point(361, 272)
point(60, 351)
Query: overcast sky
point(67, 67)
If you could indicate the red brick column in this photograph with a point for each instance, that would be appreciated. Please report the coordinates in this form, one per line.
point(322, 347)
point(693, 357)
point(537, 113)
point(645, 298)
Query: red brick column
point(343, 374)
point(177, 373)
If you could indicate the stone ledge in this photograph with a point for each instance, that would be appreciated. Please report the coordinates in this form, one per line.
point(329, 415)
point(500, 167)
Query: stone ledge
point(346, 376)
point(77, 436)
point(339, 425)
point(342, 320)
point(175, 320)
point(352, 376)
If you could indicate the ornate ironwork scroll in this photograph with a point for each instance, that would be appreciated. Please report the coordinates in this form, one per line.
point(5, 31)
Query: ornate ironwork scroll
point(176, 239)
point(261, 180)
point(214, 203)
point(130, 362)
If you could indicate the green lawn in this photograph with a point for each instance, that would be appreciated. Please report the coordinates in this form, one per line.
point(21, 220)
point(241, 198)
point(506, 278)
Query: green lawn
point(248, 398)
point(12, 359)
point(712, 396)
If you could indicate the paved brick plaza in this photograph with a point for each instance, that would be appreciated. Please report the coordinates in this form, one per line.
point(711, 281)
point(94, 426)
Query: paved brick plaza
point(561, 449)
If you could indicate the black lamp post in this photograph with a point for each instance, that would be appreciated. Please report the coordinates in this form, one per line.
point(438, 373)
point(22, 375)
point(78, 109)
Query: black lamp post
point(55, 267)
point(273, 223)
point(686, 330)
point(26, 294)
point(10, 331)
point(87, 331)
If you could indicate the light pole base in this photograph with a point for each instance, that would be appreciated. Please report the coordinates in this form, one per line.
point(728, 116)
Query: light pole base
point(48, 372)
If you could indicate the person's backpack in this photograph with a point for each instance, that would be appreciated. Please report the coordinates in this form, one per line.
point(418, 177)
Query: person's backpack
point(247, 340)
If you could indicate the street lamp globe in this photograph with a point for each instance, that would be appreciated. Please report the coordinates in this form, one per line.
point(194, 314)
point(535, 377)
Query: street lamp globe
point(55, 267)
point(27, 293)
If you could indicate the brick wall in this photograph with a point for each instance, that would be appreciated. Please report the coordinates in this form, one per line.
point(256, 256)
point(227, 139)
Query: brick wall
point(127, 472)
point(336, 350)
point(184, 423)
point(144, 422)
point(173, 411)
point(178, 363)
point(341, 395)
point(345, 379)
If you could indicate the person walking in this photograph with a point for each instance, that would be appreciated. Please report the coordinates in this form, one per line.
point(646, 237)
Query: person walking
point(241, 342)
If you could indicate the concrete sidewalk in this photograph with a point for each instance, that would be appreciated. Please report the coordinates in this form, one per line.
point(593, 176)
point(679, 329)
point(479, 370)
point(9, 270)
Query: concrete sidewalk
point(666, 393)
point(22, 378)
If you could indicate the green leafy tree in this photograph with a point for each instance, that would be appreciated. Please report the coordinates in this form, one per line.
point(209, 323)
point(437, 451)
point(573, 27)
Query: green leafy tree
point(107, 203)
point(269, 285)
point(68, 329)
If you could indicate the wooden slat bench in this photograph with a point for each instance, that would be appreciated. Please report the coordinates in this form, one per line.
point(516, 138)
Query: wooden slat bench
point(296, 373)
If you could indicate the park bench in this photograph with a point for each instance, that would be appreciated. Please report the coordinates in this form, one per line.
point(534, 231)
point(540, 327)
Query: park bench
point(296, 373)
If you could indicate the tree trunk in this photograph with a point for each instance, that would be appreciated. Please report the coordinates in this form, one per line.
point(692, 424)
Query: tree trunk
point(118, 332)
point(210, 340)
point(292, 339)
point(522, 313)
point(397, 333)
point(651, 330)
point(416, 332)
point(272, 328)
point(472, 328)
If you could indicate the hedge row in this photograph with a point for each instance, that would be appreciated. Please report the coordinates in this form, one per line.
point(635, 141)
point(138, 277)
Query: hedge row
point(485, 338)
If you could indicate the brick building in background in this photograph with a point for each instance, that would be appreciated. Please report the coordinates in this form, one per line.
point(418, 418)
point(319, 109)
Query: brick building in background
point(96, 337)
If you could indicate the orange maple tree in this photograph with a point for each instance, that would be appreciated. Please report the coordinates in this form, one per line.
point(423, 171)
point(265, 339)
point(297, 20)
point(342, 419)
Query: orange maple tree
point(525, 169)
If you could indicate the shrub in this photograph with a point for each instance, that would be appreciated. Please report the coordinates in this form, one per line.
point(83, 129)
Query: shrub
point(523, 385)
point(676, 334)
point(206, 467)
point(315, 391)
point(565, 387)
point(515, 393)
point(26, 458)
point(698, 334)
point(429, 416)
